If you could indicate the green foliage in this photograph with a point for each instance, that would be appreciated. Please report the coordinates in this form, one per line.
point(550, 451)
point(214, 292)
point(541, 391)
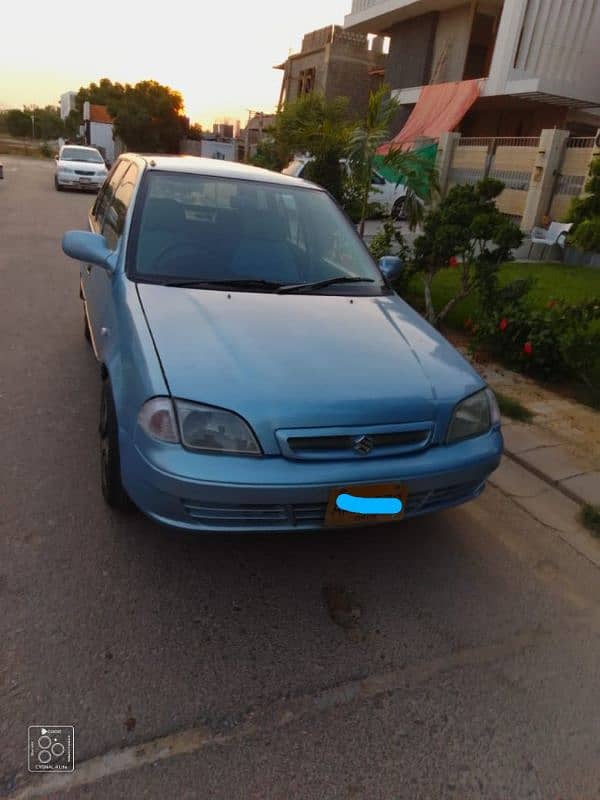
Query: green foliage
point(46, 124)
point(585, 213)
point(46, 150)
point(148, 116)
point(465, 231)
point(418, 174)
point(586, 236)
point(589, 516)
point(556, 341)
point(195, 132)
point(389, 241)
point(364, 140)
point(316, 127)
point(268, 156)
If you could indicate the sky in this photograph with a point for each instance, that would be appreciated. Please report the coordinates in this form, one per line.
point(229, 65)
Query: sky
point(220, 56)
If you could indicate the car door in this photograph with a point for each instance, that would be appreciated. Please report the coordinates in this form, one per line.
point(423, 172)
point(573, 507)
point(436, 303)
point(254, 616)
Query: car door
point(108, 218)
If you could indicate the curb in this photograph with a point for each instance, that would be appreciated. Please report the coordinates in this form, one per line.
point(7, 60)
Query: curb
point(546, 478)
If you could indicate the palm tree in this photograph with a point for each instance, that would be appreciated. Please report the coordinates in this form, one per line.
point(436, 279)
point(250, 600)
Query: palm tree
point(416, 173)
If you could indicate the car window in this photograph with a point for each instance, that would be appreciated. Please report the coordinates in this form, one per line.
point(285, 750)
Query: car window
point(203, 228)
point(116, 212)
point(106, 193)
point(81, 154)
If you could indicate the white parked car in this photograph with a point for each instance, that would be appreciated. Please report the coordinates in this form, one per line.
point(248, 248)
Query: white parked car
point(383, 192)
point(79, 167)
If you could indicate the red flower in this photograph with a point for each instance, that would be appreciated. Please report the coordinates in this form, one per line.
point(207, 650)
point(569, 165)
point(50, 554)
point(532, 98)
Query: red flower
point(468, 323)
point(528, 348)
point(551, 304)
point(503, 324)
point(453, 261)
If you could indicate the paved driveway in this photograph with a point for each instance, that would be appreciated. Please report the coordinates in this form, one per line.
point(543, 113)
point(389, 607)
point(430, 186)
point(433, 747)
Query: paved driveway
point(455, 656)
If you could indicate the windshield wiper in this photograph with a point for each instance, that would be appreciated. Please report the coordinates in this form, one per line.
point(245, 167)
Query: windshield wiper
point(301, 287)
point(241, 283)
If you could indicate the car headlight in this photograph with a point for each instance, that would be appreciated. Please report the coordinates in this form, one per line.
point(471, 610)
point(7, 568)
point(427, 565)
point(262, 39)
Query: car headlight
point(214, 430)
point(473, 416)
point(197, 427)
point(65, 169)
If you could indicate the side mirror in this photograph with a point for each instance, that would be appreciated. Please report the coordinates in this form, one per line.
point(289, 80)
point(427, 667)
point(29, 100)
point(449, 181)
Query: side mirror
point(56, 157)
point(391, 266)
point(89, 247)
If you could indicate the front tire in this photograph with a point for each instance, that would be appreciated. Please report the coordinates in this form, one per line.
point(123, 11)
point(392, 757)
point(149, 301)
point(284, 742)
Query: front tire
point(57, 185)
point(110, 462)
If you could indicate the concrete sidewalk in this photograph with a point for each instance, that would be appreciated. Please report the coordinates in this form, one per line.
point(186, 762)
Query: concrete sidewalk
point(548, 458)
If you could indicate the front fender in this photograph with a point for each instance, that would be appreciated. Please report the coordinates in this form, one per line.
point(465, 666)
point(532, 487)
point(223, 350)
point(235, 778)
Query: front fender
point(130, 358)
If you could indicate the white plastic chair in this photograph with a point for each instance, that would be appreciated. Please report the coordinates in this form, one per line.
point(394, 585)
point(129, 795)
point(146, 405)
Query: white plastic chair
point(554, 234)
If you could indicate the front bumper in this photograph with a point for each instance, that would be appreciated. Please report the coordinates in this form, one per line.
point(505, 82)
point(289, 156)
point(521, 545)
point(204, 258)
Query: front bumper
point(75, 182)
point(213, 493)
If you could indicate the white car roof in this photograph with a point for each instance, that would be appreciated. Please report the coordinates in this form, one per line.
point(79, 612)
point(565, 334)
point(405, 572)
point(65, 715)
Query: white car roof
point(216, 168)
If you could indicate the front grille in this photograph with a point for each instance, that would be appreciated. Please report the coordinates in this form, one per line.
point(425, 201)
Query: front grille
point(301, 444)
point(311, 515)
point(83, 172)
point(342, 443)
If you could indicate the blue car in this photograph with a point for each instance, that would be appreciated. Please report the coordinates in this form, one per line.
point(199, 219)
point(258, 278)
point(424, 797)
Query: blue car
point(259, 372)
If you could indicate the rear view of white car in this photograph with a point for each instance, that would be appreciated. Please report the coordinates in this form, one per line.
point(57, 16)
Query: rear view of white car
point(79, 167)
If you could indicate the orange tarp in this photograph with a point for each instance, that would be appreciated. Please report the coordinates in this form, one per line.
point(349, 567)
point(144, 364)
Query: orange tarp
point(440, 108)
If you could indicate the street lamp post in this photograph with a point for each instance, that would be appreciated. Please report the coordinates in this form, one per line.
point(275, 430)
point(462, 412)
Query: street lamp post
point(33, 126)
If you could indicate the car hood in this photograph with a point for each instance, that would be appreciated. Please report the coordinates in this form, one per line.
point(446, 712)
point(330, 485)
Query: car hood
point(299, 361)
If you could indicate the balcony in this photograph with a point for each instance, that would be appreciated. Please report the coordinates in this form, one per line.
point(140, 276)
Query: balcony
point(375, 16)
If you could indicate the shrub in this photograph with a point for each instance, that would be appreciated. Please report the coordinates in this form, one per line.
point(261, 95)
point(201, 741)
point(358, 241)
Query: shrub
point(466, 231)
point(46, 150)
point(585, 213)
point(558, 341)
point(586, 235)
point(389, 241)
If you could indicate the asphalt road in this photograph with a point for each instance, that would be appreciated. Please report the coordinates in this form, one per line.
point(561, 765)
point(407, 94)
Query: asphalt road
point(454, 656)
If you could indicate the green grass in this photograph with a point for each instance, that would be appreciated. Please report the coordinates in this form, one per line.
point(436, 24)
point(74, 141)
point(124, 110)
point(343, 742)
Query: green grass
point(513, 408)
point(553, 281)
point(590, 517)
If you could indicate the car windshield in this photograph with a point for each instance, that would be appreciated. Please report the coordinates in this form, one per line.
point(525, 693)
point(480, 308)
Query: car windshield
point(246, 235)
point(81, 154)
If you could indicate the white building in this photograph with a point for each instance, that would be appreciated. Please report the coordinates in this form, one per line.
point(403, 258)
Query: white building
point(98, 126)
point(67, 103)
point(538, 60)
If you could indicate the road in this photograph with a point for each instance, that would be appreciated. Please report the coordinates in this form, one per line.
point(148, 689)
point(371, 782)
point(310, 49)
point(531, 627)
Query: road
point(454, 656)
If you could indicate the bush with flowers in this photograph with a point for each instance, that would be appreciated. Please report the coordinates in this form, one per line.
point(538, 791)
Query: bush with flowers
point(557, 341)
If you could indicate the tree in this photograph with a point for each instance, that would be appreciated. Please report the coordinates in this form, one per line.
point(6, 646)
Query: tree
point(18, 123)
point(465, 231)
point(148, 117)
point(318, 128)
point(195, 132)
point(268, 156)
point(46, 124)
point(365, 139)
